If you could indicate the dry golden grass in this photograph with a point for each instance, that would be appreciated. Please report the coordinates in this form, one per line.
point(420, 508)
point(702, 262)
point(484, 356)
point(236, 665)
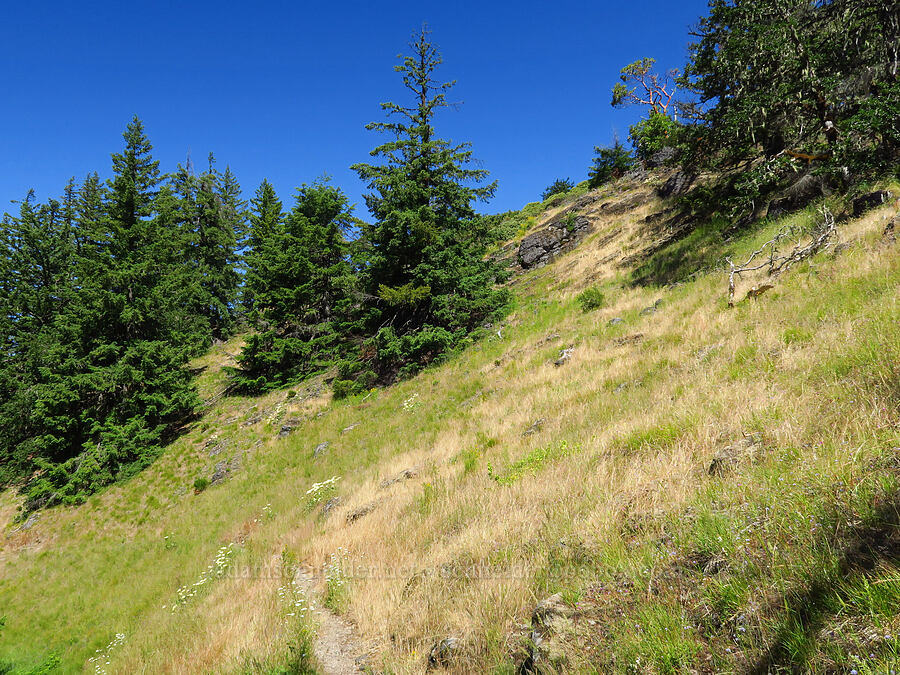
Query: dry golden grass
point(451, 551)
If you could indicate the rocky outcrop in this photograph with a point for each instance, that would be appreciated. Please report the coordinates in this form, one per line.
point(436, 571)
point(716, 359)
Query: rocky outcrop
point(870, 201)
point(552, 622)
point(404, 475)
point(677, 184)
point(746, 449)
point(538, 249)
point(361, 511)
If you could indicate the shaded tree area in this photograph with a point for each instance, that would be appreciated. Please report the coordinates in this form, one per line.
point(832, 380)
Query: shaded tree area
point(105, 295)
point(407, 289)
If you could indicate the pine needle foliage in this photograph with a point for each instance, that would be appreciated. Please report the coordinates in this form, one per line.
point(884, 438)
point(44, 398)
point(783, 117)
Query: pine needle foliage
point(426, 279)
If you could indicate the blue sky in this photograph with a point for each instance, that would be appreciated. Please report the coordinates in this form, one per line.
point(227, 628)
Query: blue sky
point(283, 89)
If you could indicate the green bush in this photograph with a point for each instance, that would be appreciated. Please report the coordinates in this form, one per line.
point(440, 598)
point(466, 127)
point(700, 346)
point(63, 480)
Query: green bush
point(610, 163)
point(653, 134)
point(590, 299)
point(559, 186)
point(201, 484)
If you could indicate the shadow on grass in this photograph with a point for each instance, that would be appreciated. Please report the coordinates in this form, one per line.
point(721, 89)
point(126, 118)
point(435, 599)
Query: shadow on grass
point(809, 608)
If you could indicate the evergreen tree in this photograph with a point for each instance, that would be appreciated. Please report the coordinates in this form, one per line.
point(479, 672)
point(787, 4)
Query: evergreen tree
point(426, 269)
point(302, 283)
point(36, 283)
point(266, 223)
point(113, 383)
point(609, 163)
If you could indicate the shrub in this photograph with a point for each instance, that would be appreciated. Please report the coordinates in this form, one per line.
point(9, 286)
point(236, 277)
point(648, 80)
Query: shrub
point(653, 134)
point(201, 484)
point(559, 186)
point(590, 299)
point(610, 163)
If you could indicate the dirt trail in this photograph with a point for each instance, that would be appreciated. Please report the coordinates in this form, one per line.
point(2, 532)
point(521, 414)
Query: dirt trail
point(337, 646)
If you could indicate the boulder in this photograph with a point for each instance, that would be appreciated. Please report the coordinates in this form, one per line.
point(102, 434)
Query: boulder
point(220, 473)
point(537, 249)
point(361, 511)
point(330, 505)
point(746, 448)
point(443, 652)
point(320, 449)
point(534, 427)
point(870, 201)
point(561, 235)
point(652, 308)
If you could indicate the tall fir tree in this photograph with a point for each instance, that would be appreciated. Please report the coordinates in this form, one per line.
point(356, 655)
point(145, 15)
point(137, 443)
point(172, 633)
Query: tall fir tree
point(119, 386)
point(301, 282)
point(266, 222)
point(427, 273)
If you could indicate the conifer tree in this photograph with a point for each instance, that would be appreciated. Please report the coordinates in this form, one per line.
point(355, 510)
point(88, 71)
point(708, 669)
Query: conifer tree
point(266, 222)
point(426, 267)
point(301, 283)
point(115, 384)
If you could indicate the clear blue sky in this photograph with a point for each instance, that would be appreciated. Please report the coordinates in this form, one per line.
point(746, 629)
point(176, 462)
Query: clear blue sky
point(283, 89)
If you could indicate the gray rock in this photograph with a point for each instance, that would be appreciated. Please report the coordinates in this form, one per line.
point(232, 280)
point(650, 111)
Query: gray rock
point(220, 473)
point(652, 308)
point(552, 624)
point(361, 511)
point(661, 157)
point(320, 449)
point(561, 235)
point(330, 505)
point(890, 230)
point(629, 339)
point(677, 184)
point(625, 204)
point(32, 519)
point(615, 321)
point(564, 356)
point(870, 201)
point(256, 419)
point(746, 448)
point(217, 449)
point(346, 430)
point(622, 386)
point(534, 427)
point(406, 474)
point(585, 201)
point(779, 207)
point(285, 430)
point(442, 653)
point(638, 174)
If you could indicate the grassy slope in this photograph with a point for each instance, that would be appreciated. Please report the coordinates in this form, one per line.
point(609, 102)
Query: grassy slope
point(788, 559)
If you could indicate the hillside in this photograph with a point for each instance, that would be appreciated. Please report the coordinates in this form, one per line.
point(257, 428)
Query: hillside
point(675, 485)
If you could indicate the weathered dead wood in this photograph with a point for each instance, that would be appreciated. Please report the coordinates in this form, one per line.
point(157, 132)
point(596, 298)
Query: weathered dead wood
point(777, 262)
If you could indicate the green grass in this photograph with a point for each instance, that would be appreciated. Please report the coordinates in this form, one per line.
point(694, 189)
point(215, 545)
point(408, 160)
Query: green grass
point(788, 558)
point(532, 463)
